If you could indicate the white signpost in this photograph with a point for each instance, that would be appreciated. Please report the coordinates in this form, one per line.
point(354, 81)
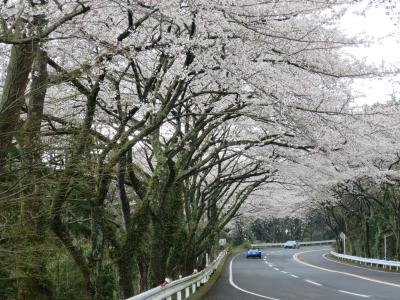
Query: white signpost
point(385, 244)
point(343, 237)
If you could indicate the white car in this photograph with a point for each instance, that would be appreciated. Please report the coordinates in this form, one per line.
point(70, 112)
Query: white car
point(291, 245)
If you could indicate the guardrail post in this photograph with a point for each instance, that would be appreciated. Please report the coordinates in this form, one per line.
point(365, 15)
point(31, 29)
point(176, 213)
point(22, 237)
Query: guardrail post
point(169, 298)
point(193, 288)
point(187, 293)
point(179, 295)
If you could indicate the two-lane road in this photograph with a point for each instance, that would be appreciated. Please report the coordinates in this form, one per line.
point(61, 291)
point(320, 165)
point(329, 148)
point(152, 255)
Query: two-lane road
point(285, 274)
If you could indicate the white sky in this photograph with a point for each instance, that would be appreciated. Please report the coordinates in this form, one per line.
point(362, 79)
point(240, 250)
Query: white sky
point(376, 24)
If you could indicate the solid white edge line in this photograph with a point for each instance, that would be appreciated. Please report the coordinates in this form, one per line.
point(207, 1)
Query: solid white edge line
point(313, 282)
point(239, 288)
point(297, 259)
point(354, 294)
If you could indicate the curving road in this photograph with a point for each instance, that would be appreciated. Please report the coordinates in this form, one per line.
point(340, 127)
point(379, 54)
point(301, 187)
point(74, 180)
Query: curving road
point(306, 273)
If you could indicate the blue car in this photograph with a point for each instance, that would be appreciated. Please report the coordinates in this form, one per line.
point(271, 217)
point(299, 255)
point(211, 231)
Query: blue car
point(253, 253)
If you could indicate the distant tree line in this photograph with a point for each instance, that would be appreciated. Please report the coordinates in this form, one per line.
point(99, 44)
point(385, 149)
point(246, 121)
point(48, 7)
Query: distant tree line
point(279, 230)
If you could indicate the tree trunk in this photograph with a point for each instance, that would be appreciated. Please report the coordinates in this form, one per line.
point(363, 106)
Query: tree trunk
point(158, 257)
point(12, 100)
point(125, 273)
point(143, 273)
point(34, 284)
point(367, 239)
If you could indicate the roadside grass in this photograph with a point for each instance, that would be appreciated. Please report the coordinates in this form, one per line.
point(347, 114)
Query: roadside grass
point(203, 291)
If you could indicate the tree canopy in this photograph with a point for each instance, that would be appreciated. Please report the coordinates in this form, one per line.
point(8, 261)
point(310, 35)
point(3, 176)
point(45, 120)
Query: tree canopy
point(132, 132)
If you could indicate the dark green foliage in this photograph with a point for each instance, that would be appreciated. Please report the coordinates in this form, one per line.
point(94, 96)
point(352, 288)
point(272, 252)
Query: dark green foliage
point(67, 280)
point(7, 283)
point(366, 212)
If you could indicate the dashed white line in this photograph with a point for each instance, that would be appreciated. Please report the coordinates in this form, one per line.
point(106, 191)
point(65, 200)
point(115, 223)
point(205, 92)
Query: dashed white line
point(354, 294)
point(294, 276)
point(276, 269)
point(284, 272)
point(313, 282)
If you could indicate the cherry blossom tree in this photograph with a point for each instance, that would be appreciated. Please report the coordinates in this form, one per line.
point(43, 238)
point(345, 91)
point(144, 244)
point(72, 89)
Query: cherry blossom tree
point(150, 124)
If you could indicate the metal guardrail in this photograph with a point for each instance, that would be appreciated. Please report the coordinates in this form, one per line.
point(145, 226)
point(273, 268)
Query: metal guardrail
point(184, 285)
point(312, 243)
point(386, 264)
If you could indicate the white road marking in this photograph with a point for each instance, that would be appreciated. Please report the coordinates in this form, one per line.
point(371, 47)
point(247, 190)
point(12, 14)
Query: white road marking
point(284, 272)
point(354, 294)
point(313, 282)
point(239, 288)
point(296, 258)
point(294, 276)
point(276, 269)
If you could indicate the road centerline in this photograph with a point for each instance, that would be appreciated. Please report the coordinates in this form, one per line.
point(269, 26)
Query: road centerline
point(313, 282)
point(354, 294)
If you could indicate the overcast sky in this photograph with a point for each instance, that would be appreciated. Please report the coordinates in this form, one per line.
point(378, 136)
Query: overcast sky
point(377, 24)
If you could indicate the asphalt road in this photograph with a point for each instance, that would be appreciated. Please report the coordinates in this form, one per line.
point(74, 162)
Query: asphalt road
point(305, 273)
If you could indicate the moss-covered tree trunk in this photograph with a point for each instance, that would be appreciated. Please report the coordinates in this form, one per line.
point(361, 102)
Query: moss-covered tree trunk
point(34, 284)
point(189, 259)
point(12, 100)
point(143, 273)
point(165, 198)
point(125, 272)
point(135, 237)
point(367, 238)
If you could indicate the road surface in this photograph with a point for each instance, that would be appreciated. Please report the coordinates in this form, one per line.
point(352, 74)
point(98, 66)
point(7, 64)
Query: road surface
point(306, 273)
